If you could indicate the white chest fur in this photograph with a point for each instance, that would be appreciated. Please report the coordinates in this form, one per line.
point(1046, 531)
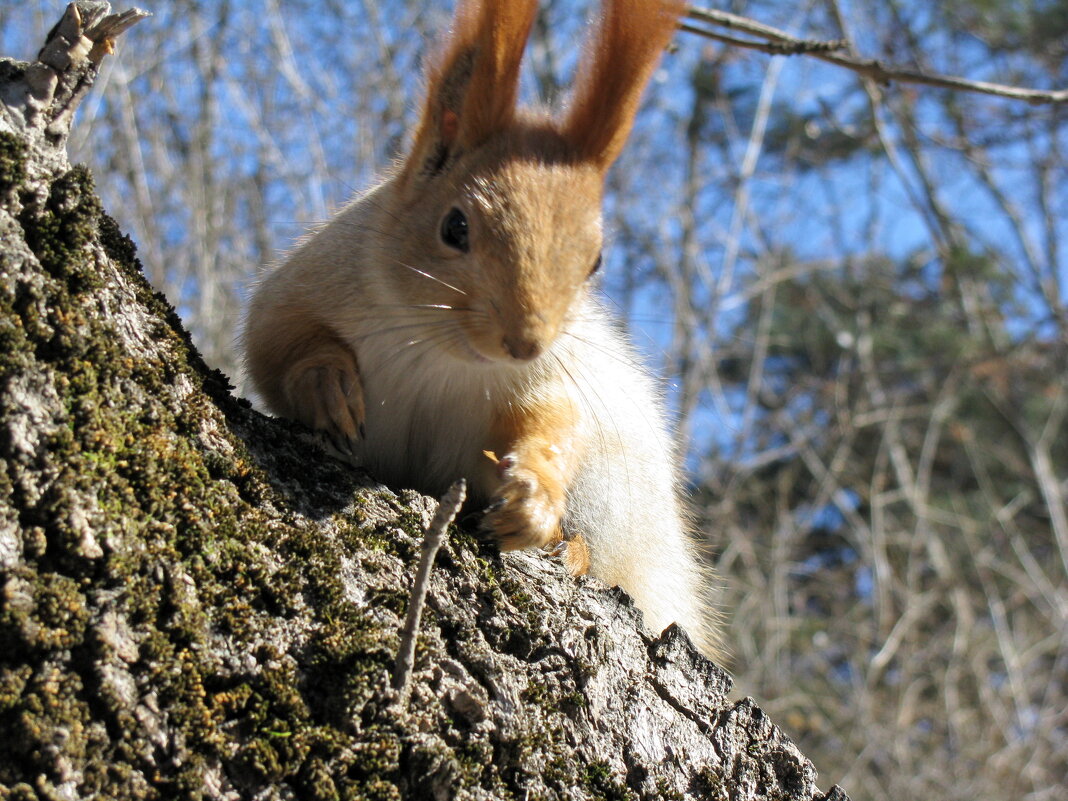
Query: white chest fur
point(428, 413)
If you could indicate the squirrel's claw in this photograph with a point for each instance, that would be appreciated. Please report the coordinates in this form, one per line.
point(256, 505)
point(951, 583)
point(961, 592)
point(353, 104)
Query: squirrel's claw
point(342, 447)
point(325, 391)
point(525, 513)
point(342, 397)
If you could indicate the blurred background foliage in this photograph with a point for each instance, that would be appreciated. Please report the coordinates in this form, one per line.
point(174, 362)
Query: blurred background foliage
point(857, 296)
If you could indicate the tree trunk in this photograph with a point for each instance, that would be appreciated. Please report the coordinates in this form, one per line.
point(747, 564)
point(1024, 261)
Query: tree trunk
point(196, 602)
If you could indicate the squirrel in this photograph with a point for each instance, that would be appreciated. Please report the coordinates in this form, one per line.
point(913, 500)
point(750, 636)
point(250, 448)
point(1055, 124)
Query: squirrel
point(443, 324)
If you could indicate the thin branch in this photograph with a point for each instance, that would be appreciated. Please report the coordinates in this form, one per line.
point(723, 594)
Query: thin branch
point(779, 42)
point(797, 47)
point(736, 23)
point(435, 533)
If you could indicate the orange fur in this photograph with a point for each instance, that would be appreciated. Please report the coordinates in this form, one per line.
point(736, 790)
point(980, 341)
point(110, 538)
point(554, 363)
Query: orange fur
point(529, 292)
point(472, 86)
point(415, 352)
point(618, 62)
point(576, 555)
point(539, 443)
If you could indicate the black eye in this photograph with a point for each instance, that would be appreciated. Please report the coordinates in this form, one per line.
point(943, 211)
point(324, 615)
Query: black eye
point(596, 265)
point(454, 230)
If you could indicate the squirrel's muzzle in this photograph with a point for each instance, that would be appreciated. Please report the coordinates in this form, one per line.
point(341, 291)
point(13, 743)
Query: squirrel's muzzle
point(522, 348)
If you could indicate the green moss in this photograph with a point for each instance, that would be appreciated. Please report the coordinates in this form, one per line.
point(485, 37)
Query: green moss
point(574, 700)
point(12, 161)
point(712, 782)
point(117, 245)
point(12, 684)
point(184, 562)
point(603, 786)
point(60, 232)
point(194, 545)
point(475, 757)
point(20, 792)
point(395, 601)
point(316, 783)
point(667, 793)
point(372, 790)
point(42, 612)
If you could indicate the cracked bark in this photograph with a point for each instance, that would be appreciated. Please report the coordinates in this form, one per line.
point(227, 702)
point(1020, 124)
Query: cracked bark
point(194, 602)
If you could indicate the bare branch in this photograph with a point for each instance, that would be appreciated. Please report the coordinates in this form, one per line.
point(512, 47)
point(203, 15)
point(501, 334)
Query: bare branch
point(734, 22)
point(794, 48)
point(779, 42)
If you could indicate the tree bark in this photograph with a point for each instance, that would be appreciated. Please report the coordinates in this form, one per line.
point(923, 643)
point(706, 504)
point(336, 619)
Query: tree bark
point(196, 602)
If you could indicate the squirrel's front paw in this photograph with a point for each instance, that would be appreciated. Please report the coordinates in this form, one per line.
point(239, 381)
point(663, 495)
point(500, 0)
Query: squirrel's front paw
point(325, 393)
point(527, 508)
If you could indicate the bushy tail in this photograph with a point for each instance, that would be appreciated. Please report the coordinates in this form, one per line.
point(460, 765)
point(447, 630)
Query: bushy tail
point(671, 583)
point(638, 541)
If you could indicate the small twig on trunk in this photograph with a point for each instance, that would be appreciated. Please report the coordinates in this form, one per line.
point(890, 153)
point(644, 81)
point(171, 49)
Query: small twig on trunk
point(67, 64)
point(435, 533)
point(86, 30)
point(777, 42)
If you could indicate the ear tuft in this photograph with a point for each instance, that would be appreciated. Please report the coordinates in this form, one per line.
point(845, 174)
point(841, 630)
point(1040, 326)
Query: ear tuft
point(619, 60)
point(472, 85)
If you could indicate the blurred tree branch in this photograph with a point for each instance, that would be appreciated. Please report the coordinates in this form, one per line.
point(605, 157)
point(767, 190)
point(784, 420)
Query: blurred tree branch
point(779, 43)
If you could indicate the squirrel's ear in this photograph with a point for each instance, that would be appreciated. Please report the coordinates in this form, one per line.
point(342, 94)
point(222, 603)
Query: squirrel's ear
point(620, 57)
point(473, 82)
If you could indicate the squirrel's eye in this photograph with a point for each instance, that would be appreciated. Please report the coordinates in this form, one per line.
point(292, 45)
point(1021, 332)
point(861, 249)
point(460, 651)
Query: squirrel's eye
point(596, 265)
point(454, 230)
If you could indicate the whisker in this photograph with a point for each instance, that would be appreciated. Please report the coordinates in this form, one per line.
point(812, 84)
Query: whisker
point(598, 416)
point(385, 311)
point(431, 277)
point(418, 349)
point(417, 326)
point(627, 359)
point(622, 358)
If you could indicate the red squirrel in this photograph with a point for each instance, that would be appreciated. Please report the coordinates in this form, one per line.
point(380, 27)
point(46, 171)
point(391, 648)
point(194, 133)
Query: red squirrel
point(443, 324)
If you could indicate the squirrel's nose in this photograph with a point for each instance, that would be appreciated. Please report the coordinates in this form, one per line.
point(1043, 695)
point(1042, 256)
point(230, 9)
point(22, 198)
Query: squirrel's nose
point(521, 348)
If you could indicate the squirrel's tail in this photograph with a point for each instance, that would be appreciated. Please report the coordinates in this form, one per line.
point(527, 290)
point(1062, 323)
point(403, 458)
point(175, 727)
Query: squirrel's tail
point(642, 545)
point(626, 500)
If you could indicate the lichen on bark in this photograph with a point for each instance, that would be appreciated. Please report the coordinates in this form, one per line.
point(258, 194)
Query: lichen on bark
point(195, 602)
